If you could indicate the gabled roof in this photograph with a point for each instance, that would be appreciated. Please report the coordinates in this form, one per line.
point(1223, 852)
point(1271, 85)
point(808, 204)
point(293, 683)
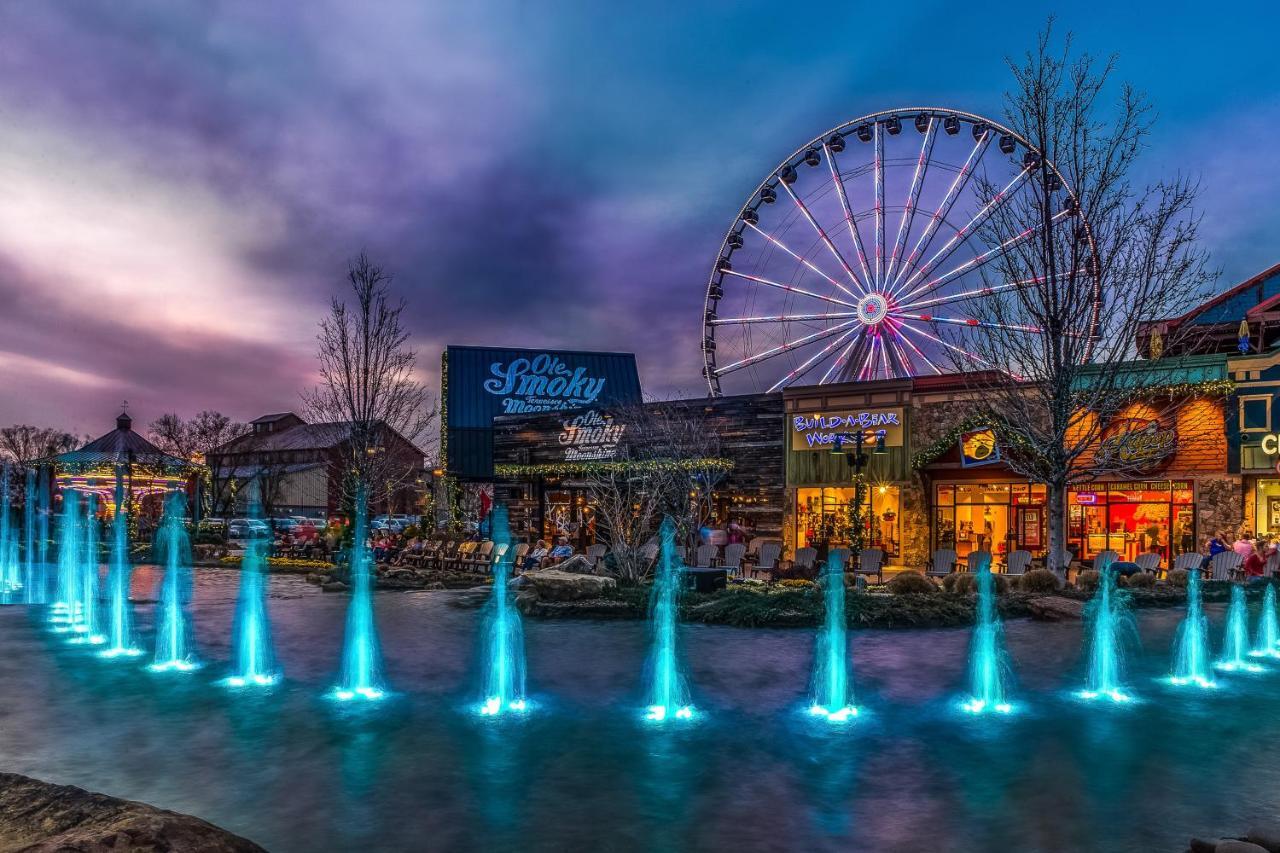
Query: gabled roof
point(270, 419)
point(121, 446)
point(1251, 296)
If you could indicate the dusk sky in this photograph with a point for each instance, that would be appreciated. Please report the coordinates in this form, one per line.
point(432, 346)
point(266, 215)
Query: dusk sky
point(182, 183)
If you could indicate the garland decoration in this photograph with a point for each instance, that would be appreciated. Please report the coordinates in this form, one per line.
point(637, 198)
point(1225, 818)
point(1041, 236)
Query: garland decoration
point(626, 466)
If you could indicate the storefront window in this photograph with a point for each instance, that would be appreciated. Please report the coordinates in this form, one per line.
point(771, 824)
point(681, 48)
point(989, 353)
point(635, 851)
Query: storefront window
point(1268, 508)
point(1132, 519)
point(822, 516)
point(995, 517)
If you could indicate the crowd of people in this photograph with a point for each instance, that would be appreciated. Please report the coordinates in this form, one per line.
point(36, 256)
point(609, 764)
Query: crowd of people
point(1253, 550)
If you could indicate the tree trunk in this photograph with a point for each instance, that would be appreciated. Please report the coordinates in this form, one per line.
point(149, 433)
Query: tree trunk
point(1057, 511)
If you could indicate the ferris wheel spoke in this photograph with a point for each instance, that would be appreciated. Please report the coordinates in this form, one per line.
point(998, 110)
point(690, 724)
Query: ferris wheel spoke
point(842, 359)
point(978, 260)
point(808, 263)
point(908, 367)
point(963, 234)
point(781, 318)
point(789, 288)
point(943, 210)
point(913, 197)
point(897, 327)
point(848, 211)
point(822, 234)
point(879, 209)
point(972, 322)
point(812, 360)
point(820, 335)
point(975, 293)
point(964, 352)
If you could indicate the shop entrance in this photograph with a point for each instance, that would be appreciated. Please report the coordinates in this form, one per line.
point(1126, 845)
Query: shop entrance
point(823, 517)
point(1132, 518)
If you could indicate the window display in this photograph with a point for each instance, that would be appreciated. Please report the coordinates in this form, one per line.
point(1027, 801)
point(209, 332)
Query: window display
point(823, 517)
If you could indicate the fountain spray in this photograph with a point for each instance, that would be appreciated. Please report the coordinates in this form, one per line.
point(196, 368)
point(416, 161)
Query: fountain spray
point(1110, 624)
point(361, 656)
point(1268, 638)
point(668, 692)
point(254, 662)
point(1235, 644)
point(120, 638)
point(503, 632)
point(34, 585)
point(10, 574)
point(65, 602)
point(1191, 643)
point(832, 693)
point(85, 619)
point(175, 649)
point(988, 662)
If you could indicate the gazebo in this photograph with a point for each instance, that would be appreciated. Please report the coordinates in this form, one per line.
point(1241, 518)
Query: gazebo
point(126, 459)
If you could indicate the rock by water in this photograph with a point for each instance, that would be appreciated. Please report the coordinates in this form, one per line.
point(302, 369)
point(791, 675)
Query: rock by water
point(39, 817)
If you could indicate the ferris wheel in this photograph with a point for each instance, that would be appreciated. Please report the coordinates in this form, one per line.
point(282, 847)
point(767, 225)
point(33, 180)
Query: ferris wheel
point(859, 256)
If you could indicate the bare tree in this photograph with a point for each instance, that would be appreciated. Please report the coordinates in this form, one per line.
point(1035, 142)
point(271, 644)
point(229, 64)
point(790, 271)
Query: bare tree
point(368, 384)
point(672, 468)
point(193, 439)
point(1084, 261)
point(22, 444)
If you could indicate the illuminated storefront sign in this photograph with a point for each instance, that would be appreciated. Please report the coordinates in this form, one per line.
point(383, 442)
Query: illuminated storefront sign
point(1271, 444)
point(1136, 445)
point(544, 383)
point(979, 447)
point(591, 435)
point(819, 430)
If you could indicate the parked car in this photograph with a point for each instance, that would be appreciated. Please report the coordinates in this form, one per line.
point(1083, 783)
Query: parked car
point(247, 528)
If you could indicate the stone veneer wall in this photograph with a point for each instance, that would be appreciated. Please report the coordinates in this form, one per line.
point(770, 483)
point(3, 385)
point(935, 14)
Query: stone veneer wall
point(1219, 504)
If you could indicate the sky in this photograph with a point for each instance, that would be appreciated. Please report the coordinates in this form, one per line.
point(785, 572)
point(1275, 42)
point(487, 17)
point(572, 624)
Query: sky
point(182, 183)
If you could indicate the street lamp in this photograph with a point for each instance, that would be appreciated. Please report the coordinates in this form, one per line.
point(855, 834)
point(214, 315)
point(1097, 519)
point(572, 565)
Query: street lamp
point(857, 460)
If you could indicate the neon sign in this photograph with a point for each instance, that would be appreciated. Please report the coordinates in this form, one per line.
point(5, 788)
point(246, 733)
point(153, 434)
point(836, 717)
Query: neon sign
point(543, 383)
point(816, 431)
point(591, 436)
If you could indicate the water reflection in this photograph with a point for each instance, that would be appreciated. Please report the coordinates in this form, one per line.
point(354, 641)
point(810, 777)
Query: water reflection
point(583, 771)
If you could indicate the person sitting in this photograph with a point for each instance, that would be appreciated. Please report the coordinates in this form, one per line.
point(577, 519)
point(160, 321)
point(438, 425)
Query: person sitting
point(560, 553)
point(1244, 545)
point(1255, 562)
point(536, 555)
point(1217, 545)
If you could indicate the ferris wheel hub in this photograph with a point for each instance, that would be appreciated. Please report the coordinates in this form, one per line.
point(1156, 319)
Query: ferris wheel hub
point(872, 309)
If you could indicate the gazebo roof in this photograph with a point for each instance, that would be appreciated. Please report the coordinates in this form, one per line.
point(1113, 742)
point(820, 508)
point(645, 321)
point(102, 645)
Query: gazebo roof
point(121, 446)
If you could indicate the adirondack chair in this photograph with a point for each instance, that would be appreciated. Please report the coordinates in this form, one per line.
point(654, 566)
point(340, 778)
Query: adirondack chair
point(517, 556)
point(1226, 566)
point(596, 552)
point(497, 555)
point(941, 563)
point(1104, 559)
point(648, 554)
point(871, 562)
point(1148, 562)
point(479, 558)
point(841, 556)
point(1272, 566)
point(1188, 561)
point(460, 556)
point(977, 558)
point(706, 555)
point(802, 563)
point(1017, 562)
point(767, 562)
point(733, 555)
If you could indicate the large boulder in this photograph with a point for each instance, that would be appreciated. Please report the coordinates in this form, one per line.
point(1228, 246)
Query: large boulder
point(1265, 835)
point(557, 585)
point(38, 817)
point(1053, 608)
